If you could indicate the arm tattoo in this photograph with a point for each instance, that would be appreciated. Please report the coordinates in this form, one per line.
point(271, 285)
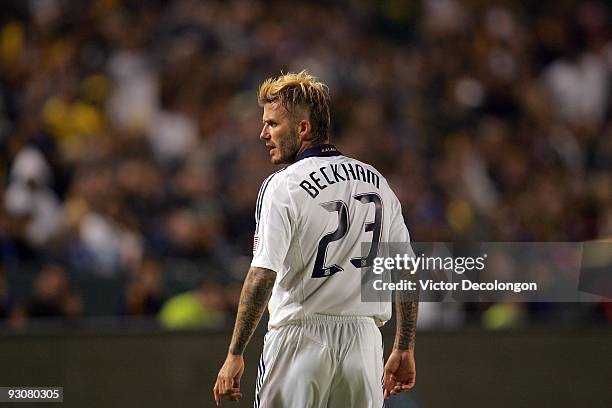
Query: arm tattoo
point(255, 294)
point(406, 324)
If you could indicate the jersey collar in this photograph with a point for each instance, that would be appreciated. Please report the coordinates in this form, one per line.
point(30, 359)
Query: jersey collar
point(322, 150)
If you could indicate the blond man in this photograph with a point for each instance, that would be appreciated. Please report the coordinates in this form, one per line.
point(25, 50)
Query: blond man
point(323, 347)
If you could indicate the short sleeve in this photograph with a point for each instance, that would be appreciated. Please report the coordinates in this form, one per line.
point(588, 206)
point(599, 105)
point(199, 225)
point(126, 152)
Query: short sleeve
point(398, 231)
point(273, 226)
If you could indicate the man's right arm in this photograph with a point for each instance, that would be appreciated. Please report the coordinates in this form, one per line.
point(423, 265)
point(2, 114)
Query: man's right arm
point(255, 294)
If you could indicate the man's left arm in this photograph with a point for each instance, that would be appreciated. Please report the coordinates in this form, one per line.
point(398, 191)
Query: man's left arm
point(254, 297)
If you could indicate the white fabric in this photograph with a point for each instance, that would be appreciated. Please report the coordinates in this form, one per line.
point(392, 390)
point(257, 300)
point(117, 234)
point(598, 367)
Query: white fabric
point(321, 362)
point(290, 226)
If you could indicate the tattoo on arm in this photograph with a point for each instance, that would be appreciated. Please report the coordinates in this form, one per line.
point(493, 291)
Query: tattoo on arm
point(255, 294)
point(406, 324)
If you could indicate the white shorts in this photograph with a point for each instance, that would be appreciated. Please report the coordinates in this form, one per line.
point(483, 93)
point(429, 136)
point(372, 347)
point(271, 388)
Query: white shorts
point(321, 362)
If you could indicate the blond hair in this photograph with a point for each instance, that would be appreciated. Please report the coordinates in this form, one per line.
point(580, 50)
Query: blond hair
point(300, 90)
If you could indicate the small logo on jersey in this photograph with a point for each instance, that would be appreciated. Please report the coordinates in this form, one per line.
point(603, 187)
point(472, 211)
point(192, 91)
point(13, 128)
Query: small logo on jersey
point(255, 242)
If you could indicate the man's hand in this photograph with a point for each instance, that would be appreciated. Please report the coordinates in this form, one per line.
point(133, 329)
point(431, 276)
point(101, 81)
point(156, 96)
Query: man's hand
point(228, 380)
point(256, 292)
point(400, 372)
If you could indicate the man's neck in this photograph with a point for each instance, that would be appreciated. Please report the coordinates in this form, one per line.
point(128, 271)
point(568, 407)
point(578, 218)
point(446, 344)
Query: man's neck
point(305, 146)
point(317, 149)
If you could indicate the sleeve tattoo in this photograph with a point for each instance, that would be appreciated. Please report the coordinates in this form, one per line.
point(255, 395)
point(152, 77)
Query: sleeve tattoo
point(406, 324)
point(254, 297)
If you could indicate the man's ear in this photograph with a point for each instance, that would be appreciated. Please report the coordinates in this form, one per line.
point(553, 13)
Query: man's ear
point(304, 130)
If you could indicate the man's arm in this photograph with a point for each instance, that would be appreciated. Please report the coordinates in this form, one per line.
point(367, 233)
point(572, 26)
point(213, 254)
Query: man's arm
point(405, 333)
point(400, 370)
point(254, 297)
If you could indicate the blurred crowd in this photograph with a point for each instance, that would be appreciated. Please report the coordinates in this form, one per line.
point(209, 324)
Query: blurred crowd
point(129, 131)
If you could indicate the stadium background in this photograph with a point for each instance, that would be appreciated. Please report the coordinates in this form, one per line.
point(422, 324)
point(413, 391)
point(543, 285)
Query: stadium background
point(130, 164)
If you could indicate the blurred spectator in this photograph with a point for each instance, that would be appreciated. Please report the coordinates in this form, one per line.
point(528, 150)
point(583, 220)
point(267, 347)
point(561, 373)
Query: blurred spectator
point(503, 316)
point(53, 296)
point(440, 314)
point(5, 300)
point(144, 292)
point(172, 134)
point(29, 197)
point(204, 307)
point(10, 310)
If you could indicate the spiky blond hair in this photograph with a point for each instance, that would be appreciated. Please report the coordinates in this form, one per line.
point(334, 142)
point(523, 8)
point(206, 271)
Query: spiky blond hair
point(300, 90)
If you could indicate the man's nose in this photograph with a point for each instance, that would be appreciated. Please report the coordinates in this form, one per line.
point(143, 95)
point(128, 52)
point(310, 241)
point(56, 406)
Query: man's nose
point(264, 134)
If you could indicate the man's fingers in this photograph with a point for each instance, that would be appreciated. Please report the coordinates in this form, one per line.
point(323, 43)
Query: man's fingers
point(394, 387)
point(233, 395)
point(216, 392)
point(408, 385)
point(389, 377)
point(400, 387)
point(389, 381)
point(224, 386)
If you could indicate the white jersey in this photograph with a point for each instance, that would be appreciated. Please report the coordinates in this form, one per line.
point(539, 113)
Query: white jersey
point(311, 220)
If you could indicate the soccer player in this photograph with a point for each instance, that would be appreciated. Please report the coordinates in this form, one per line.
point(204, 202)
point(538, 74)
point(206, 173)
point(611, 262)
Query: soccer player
point(323, 347)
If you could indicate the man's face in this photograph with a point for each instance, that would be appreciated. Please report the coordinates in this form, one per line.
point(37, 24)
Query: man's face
point(279, 133)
